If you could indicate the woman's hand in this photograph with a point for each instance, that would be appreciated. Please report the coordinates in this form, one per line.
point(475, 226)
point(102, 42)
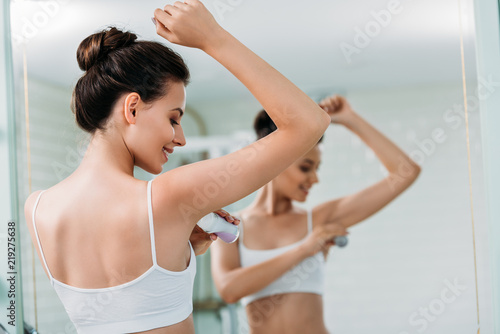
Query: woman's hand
point(187, 23)
point(337, 108)
point(224, 214)
point(201, 240)
point(321, 238)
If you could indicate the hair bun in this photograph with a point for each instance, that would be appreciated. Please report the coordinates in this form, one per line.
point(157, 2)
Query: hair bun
point(99, 45)
point(263, 124)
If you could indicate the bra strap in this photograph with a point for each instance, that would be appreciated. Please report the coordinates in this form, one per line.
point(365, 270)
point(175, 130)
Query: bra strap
point(151, 225)
point(38, 238)
point(309, 221)
point(240, 237)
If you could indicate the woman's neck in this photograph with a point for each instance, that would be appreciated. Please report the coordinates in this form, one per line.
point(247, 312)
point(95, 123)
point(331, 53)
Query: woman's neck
point(108, 153)
point(271, 201)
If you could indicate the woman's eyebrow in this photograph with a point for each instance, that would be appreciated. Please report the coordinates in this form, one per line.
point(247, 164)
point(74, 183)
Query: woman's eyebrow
point(181, 112)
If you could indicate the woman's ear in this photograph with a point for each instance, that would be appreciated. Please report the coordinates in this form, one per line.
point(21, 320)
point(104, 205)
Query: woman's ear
point(129, 107)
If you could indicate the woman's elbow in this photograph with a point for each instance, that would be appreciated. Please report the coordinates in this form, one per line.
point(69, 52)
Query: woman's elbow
point(230, 299)
point(416, 171)
point(323, 123)
point(410, 170)
point(311, 130)
point(228, 296)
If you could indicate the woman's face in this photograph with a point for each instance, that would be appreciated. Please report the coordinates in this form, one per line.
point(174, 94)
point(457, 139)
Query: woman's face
point(296, 181)
point(158, 130)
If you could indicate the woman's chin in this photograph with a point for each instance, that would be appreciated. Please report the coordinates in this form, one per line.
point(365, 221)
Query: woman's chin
point(155, 170)
point(301, 198)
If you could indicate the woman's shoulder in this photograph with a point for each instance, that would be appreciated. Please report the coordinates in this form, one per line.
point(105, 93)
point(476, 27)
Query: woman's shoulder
point(29, 204)
point(250, 215)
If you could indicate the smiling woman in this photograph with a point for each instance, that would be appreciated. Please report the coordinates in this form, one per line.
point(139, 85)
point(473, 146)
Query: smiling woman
point(131, 100)
point(115, 64)
point(126, 68)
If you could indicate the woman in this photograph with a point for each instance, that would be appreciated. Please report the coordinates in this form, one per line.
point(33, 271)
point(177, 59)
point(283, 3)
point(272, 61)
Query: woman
point(116, 249)
point(276, 267)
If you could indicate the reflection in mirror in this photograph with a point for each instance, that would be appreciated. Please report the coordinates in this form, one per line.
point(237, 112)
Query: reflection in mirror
point(407, 269)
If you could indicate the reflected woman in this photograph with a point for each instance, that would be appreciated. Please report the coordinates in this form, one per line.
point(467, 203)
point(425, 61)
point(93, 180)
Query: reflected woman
point(276, 266)
point(116, 249)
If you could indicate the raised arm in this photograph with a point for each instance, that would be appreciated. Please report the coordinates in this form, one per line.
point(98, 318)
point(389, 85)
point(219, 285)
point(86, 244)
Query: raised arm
point(403, 171)
point(189, 192)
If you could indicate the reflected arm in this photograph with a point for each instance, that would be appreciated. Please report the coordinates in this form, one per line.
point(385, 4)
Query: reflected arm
point(403, 171)
point(235, 282)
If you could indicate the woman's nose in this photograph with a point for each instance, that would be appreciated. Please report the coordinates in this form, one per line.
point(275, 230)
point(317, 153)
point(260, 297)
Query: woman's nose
point(314, 177)
point(179, 138)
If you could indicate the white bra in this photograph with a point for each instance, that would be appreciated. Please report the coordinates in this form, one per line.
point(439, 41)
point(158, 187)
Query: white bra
point(157, 298)
point(306, 277)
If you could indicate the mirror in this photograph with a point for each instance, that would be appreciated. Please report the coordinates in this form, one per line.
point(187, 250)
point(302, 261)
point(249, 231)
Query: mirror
point(410, 267)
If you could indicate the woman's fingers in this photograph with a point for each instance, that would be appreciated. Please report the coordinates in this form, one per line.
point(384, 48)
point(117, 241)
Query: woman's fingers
point(162, 21)
point(192, 2)
point(332, 103)
point(221, 213)
point(162, 16)
point(171, 10)
point(227, 216)
point(189, 24)
point(165, 20)
point(333, 230)
point(180, 5)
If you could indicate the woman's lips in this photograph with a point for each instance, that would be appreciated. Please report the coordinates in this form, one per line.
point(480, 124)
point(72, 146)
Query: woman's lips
point(304, 189)
point(166, 152)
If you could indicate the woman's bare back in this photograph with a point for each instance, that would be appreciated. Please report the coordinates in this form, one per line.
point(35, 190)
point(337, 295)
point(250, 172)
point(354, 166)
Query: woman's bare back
point(95, 234)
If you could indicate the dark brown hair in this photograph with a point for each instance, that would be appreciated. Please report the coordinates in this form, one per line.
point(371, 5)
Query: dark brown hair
point(116, 63)
point(264, 125)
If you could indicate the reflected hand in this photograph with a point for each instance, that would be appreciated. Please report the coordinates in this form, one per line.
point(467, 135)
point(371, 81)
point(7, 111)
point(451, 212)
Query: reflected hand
point(187, 23)
point(321, 238)
point(338, 108)
point(201, 240)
